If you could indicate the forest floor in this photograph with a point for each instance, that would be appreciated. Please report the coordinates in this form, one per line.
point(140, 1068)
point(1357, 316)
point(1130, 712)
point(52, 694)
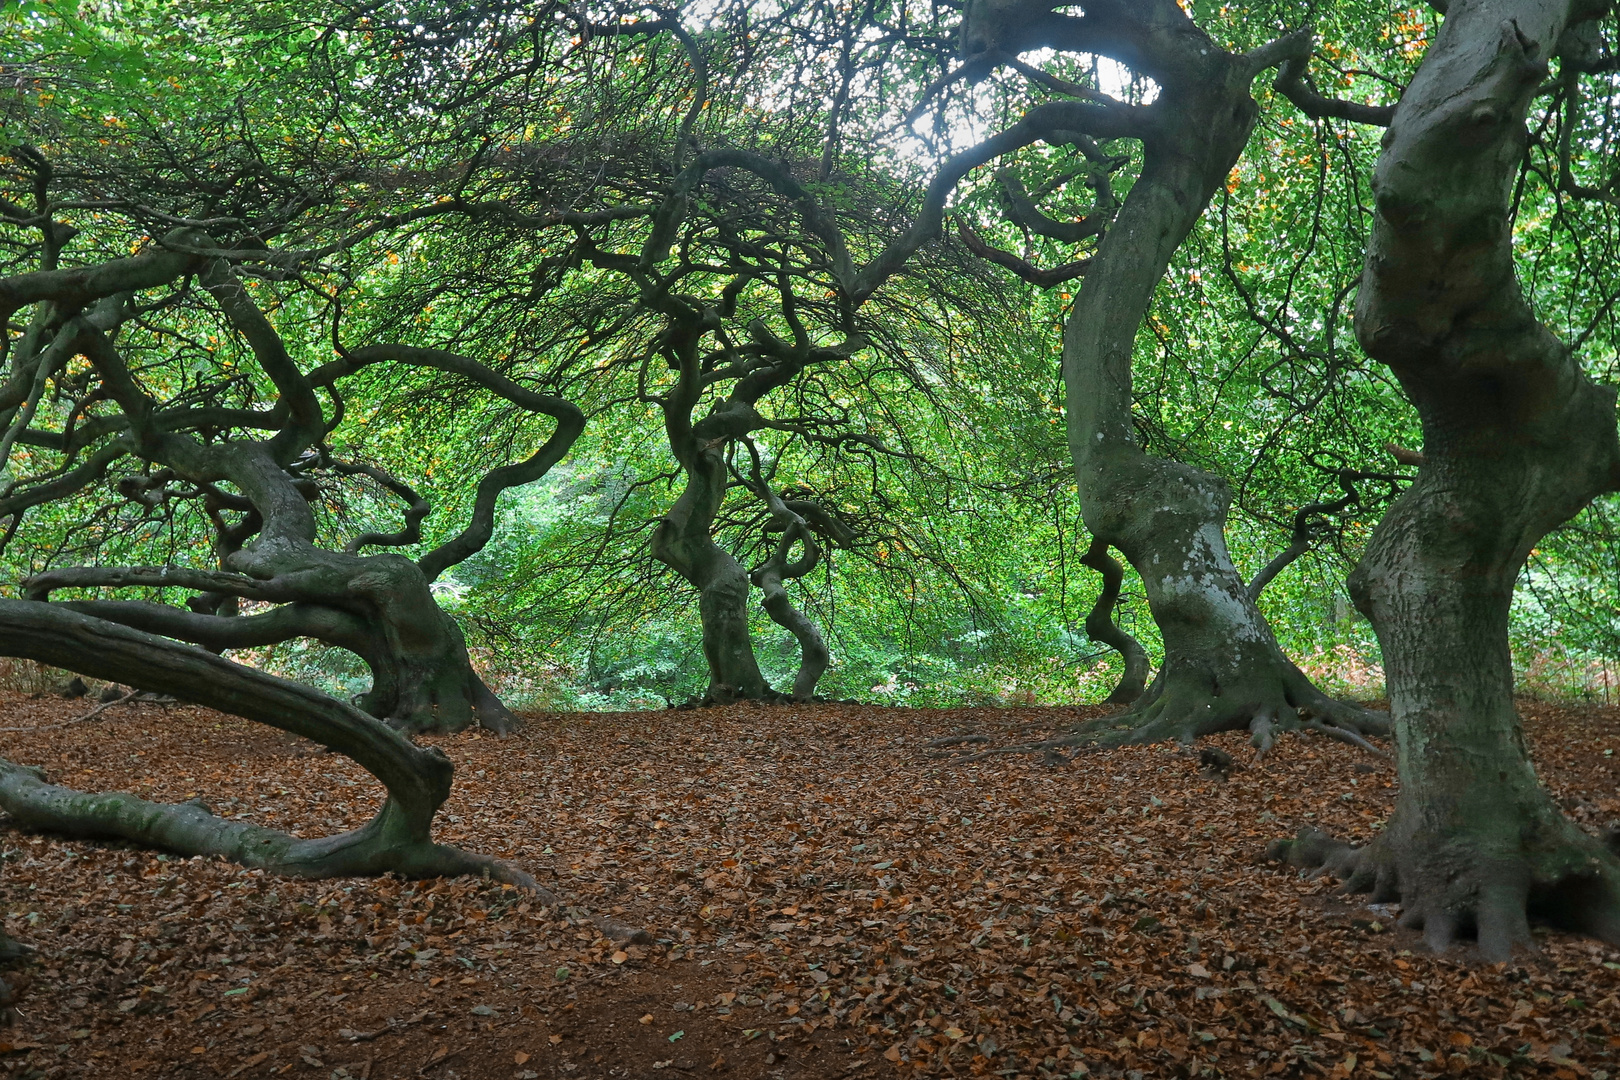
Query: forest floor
point(830, 898)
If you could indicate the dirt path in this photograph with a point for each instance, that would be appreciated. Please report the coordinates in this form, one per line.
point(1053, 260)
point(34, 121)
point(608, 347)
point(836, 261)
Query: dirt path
point(830, 899)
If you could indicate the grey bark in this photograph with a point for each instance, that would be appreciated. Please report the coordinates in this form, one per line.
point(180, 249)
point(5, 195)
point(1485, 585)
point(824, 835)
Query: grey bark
point(379, 605)
point(1101, 627)
point(1223, 668)
point(684, 542)
point(797, 522)
point(422, 678)
point(770, 577)
point(1516, 440)
point(398, 839)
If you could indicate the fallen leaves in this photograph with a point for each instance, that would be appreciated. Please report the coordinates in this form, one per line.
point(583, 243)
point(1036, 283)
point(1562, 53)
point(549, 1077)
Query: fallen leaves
point(247, 1063)
point(821, 886)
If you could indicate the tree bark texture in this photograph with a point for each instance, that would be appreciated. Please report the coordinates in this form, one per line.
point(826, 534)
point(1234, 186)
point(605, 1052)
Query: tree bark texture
point(1223, 668)
point(685, 543)
point(397, 840)
point(814, 656)
point(1516, 440)
point(377, 606)
point(1101, 627)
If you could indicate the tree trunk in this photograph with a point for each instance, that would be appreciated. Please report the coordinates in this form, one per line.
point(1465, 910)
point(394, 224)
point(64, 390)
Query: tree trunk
point(422, 677)
point(379, 607)
point(1222, 668)
point(1517, 440)
point(1101, 627)
point(814, 656)
point(683, 543)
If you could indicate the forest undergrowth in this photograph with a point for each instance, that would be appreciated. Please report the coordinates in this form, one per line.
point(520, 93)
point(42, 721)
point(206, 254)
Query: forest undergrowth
point(830, 897)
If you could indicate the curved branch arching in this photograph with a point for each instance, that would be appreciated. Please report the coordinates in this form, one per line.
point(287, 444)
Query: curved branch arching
point(570, 423)
point(814, 656)
point(1101, 627)
point(398, 840)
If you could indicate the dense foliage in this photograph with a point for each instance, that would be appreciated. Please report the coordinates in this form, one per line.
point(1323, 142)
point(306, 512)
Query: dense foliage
point(411, 170)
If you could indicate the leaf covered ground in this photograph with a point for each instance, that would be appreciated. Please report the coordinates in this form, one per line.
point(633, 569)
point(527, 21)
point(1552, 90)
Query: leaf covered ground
point(830, 898)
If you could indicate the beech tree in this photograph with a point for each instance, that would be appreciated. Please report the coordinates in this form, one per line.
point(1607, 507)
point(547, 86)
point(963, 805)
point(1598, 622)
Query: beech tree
point(158, 330)
point(1222, 665)
point(197, 436)
point(728, 275)
point(724, 228)
point(1517, 439)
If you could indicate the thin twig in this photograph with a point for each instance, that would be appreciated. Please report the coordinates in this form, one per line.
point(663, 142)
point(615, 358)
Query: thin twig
point(436, 1062)
point(91, 715)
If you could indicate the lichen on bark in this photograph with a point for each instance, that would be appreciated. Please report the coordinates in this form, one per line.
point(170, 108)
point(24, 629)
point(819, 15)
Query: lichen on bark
point(1222, 666)
point(1517, 439)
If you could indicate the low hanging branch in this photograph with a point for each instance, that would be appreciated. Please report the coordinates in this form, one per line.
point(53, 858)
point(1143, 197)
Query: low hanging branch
point(1028, 271)
point(398, 840)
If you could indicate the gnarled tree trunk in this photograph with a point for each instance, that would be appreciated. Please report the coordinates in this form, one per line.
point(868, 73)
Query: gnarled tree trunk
point(684, 542)
point(1516, 440)
point(421, 680)
point(1223, 668)
point(379, 606)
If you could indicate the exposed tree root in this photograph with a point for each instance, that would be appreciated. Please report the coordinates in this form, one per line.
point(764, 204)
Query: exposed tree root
point(1475, 885)
point(391, 842)
point(398, 840)
point(956, 740)
point(395, 841)
point(1190, 706)
point(721, 695)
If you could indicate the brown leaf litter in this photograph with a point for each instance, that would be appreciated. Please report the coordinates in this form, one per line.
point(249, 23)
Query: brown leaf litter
point(831, 898)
